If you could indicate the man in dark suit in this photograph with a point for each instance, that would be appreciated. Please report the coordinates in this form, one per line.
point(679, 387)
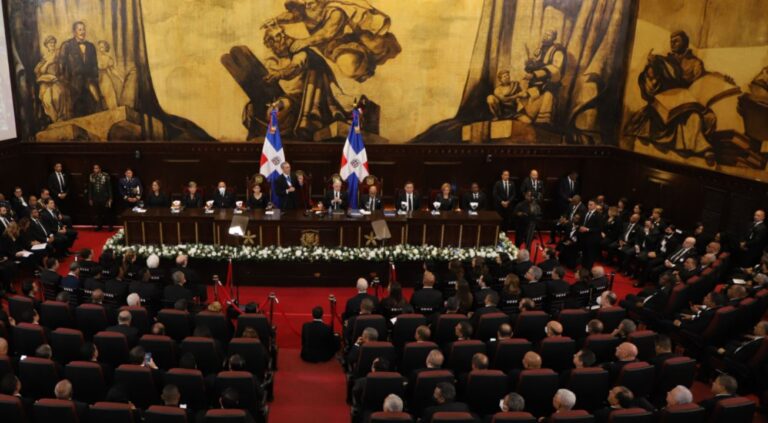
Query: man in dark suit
point(490, 303)
point(50, 277)
point(723, 387)
point(663, 348)
point(754, 243)
point(352, 307)
point(700, 315)
point(534, 185)
point(567, 219)
point(532, 287)
point(625, 245)
point(589, 235)
point(19, 205)
point(285, 188)
point(336, 199)
point(427, 300)
point(408, 199)
point(192, 198)
point(474, 196)
point(177, 291)
point(223, 198)
point(5, 218)
point(626, 353)
point(79, 73)
point(63, 392)
point(556, 286)
point(503, 199)
point(318, 342)
point(52, 219)
point(124, 326)
point(741, 350)
point(72, 280)
point(672, 261)
point(58, 185)
point(569, 186)
point(372, 200)
point(444, 396)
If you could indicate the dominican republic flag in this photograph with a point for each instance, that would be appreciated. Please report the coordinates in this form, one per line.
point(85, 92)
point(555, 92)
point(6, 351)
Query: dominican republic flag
point(354, 161)
point(272, 156)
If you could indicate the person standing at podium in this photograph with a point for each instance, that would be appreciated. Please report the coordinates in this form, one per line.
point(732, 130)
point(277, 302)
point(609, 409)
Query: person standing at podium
point(503, 195)
point(285, 188)
point(408, 199)
point(336, 199)
point(371, 201)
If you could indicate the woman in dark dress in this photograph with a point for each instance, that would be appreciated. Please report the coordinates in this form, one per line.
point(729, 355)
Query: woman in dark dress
point(13, 243)
point(256, 199)
point(510, 295)
point(192, 198)
point(157, 198)
point(446, 199)
point(611, 229)
point(303, 201)
point(464, 296)
point(394, 304)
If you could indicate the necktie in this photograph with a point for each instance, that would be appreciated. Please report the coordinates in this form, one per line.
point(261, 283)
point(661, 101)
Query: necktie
point(506, 188)
point(570, 183)
point(42, 227)
point(475, 196)
point(629, 230)
point(588, 216)
point(678, 254)
point(5, 222)
point(61, 181)
point(410, 202)
point(371, 204)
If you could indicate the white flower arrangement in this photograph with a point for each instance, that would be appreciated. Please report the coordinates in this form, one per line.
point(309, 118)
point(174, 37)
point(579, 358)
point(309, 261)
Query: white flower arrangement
point(397, 253)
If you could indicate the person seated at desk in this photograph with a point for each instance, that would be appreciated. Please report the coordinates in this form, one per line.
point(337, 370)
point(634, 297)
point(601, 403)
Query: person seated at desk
point(372, 200)
point(222, 198)
point(408, 200)
point(474, 196)
point(192, 199)
point(256, 199)
point(156, 198)
point(130, 189)
point(336, 199)
point(446, 199)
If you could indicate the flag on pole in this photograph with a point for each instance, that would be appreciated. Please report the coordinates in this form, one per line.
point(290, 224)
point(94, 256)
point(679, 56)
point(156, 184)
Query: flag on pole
point(354, 161)
point(272, 155)
point(228, 282)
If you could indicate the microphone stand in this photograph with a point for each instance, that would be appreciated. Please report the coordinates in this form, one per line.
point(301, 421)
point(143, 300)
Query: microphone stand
point(272, 301)
point(332, 300)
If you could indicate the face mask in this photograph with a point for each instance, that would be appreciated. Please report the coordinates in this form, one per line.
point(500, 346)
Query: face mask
point(222, 190)
point(546, 331)
point(599, 300)
point(586, 328)
point(501, 404)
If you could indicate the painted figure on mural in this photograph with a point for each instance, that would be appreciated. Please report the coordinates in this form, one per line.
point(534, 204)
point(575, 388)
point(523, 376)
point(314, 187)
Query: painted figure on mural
point(49, 86)
point(507, 98)
point(351, 33)
point(110, 81)
point(544, 71)
point(79, 73)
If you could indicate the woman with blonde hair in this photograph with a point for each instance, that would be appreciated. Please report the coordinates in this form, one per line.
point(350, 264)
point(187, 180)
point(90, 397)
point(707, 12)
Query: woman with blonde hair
point(447, 200)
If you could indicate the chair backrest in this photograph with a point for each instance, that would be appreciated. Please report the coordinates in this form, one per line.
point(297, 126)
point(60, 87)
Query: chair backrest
point(139, 384)
point(66, 344)
point(415, 356)
point(485, 388)
point(177, 323)
point(677, 299)
point(676, 371)
point(530, 325)
point(488, 325)
point(682, 413)
point(453, 417)
point(88, 381)
point(243, 382)
point(112, 412)
point(369, 352)
point(113, 347)
point(638, 377)
point(91, 319)
point(390, 417)
point(255, 355)
point(719, 329)
point(225, 416)
point(572, 416)
point(163, 414)
point(590, 385)
point(163, 350)
point(423, 388)
point(55, 410)
point(27, 337)
point(557, 352)
point(538, 387)
point(404, 328)
point(760, 356)
point(257, 321)
point(217, 323)
point(56, 314)
point(509, 354)
point(380, 384)
point(204, 350)
point(631, 415)
point(645, 341)
point(460, 355)
point(574, 321)
point(18, 305)
point(38, 377)
point(191, 386)
point(603, 345)
point(12, 409)
point(139, 318)
point(513, 416)
point(375, 321)
point(445, 331)
point(736, 409)
point(611, 317)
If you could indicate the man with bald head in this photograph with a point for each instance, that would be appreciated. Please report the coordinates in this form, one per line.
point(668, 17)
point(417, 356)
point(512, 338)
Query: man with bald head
point(124, 326)
point(427, 300)
point(352, 307)
point(63, 391)
point(753, 243)
point(626, 353)
point(534, 185)
point(336, 198)
point(531, 361)
point(553, 329)
point(674, 259)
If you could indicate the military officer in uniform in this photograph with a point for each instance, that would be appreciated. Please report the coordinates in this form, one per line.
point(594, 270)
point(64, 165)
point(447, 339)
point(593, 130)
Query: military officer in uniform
point(130, 189)
point(100, 196)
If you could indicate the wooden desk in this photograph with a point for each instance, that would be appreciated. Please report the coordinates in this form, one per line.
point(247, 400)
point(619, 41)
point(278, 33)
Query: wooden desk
point(294, 227)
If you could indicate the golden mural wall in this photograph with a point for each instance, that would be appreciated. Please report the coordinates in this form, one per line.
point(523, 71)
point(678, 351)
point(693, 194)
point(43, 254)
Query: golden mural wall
point(697, 86)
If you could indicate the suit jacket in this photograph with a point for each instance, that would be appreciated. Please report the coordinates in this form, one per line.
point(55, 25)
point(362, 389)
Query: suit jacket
point(226, 201)
point(451, 406)
point(482, 201)
point(559, 286)
point(595, 226)
point(50, 278)
point(352, 307)
point(78, 69)
point(118, 288)
point(427, 300)
point(679, 255)
point(38, 232)
point(741, 351)
point(53, 185)
point(19, 208)
point(709, 404)
point(287, 199)
point(533, 290)
point(130, 332)
point(4, 223)
point(700, 322)
point(173, 293)
point(446, 204)
point(318, 344)
point(630, 235)
point(365, 202)
point(564, 191)
point(755, 241)
point(51, 222)
point(499, 194)
point(614, 367)
point(329, 195)
point(573, 210)
point(401, 198)
point(537, 189)
point(190, 202)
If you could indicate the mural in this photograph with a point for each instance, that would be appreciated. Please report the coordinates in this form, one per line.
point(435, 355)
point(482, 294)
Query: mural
point(697, 90)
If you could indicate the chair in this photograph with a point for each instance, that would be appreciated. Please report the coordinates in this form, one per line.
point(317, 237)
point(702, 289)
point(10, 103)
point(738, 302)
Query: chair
point(678, 299)
point(91, 319)
point(375, 321)
point(574, 321)
point(445, 328)
point(611, 317)
point(369, 352)
point(177, 323)
point(191, 386)
point(27, 337)
point(415, 356)
point(377, 386)
point(6, 366)
point(38, 377)
point(638, 377)
point(204, 349)
point(557, 352)
point(676, 371)
point(460, 355)
point(682, 413)
point(113, 348)
point(217, 323)
point(423, 388)
point(645, 341)
point(139, 384)
point(56, 314)
point(66, 344)
point(631, 415)
point(590, 385)
point(405, 328)
point(453, 417)
point(719, 329)
point(572, 416)
point(163, 414)
point(88, 381)
point(254, 353)
point(163, 350)
point(509, 354)
point(55, 410)
point(485, 388)
point(488, 325)
point(18, 305)
point(112, 412)
point(390, 417)
point(12, 409)
point(736, 409)
point(603, 345)
point(513, 416)
point(258, 322)
point(538, 387)
point(245, 385)
point(530, 325)
point(139, 319)
point(225, 416)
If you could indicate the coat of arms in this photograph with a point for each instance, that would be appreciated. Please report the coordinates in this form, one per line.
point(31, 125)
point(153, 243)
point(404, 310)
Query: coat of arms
point(310, 238)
